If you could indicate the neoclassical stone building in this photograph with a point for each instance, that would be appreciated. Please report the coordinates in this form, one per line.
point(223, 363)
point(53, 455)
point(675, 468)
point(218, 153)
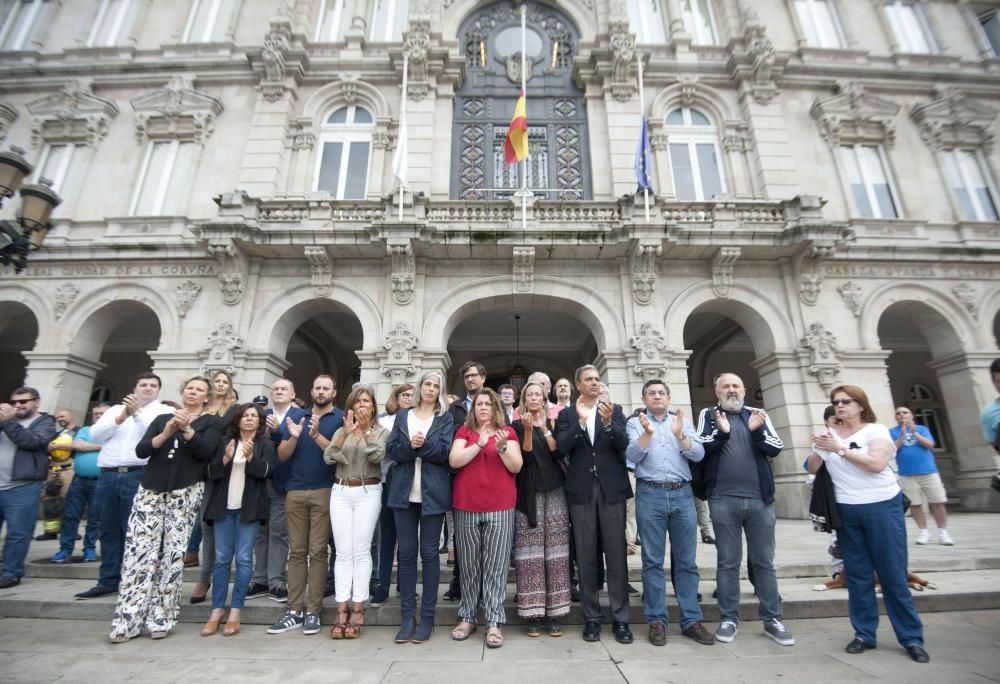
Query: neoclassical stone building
point(824, 206)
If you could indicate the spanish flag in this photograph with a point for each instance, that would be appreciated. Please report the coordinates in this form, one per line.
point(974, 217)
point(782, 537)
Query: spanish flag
point(515, 149)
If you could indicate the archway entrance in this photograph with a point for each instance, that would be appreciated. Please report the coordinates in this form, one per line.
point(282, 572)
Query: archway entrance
point(718, 344)
point(18, 334)
point(120, 337)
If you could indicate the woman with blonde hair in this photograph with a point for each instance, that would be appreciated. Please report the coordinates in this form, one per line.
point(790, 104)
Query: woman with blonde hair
point(357, 448)
point(178, 445)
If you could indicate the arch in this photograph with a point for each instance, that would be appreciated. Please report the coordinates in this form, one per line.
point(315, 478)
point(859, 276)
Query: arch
point(696, 95)
point(584, 18)
point(573, 298)
point(94, 316)
point(989, 315)
point(31, 297)
point(768, 326)
point(333, 95)
point(281, 315)
point(930, 308)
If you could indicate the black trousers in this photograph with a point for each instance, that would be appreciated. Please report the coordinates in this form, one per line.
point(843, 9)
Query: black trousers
point(600, 519)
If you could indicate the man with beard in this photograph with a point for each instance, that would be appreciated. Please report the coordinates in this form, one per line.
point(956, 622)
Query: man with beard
point(307, 507)
point(563, 392)
point(739, 442)
point(25, 434)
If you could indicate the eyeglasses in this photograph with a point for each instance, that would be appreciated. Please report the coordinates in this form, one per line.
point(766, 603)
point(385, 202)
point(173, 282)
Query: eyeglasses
point(471, 375)
point(842, 402)
point(18, 402)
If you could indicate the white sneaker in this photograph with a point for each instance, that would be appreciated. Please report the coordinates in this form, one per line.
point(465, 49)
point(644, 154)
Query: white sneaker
point(924, 537)
point(945, 538)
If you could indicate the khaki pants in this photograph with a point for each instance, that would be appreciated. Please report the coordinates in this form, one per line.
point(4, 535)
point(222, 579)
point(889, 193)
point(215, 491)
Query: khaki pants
point(307, 513)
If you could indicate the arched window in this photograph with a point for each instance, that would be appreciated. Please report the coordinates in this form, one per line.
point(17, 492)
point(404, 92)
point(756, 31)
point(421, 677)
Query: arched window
point(929, 411)
point(345, 153)
point(693, 147)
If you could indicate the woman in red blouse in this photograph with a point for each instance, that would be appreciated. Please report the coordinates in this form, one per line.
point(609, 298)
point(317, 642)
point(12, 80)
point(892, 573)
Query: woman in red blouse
point(487, 457)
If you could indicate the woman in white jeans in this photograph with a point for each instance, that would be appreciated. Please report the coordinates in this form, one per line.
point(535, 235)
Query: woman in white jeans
point(355, 501)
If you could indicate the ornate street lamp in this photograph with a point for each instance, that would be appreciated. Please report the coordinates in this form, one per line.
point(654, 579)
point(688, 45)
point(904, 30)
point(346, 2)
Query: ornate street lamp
point(18, 238)
point(518, 373)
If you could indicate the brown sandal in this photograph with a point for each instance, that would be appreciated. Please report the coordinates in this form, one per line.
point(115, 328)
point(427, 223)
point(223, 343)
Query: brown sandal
point(494, 637)
point(462, 630)
point(339, 629)
point(353, 629)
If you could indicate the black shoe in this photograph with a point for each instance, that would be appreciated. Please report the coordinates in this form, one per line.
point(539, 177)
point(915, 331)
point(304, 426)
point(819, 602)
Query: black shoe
point(47, 536)
point(278, 595)
point(632, 590)
point(858, 646)
point(453, 593)
point(257, 590)
point(638, 541)
point(9, 581)
point(423, 631)
point(329, 591)
point(574, 594)
point(707, 538)
point(917, 653)
point(380, 596)
point(95, 592)
point(407, 628)
point(592, 631)
point(623, 635)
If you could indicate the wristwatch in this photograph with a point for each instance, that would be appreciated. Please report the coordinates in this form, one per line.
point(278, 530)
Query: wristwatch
point(841, 452)
point(547, 434)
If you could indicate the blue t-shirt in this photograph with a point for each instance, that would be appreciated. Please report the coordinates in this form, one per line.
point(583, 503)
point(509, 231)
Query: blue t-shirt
point(308, 469)
point(990, 421)
point(283, 469)
point(85, 462)
point(914, 458)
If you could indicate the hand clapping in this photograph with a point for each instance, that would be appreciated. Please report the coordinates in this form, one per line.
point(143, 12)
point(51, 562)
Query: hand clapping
point(294, 429)
point(606, 411)
point(677, 424)
point(722, 420)
point(757, 418)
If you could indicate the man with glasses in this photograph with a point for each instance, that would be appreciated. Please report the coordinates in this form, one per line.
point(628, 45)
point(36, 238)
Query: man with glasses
point(25, 434)
point(739, 442)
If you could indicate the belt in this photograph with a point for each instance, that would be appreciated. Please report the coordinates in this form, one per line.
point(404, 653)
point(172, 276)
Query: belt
point(86, 477)
point(357, 481)
point(121, 469)
point(665, 485)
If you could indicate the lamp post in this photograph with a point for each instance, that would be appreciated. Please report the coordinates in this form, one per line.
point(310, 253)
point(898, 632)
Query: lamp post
point(518, 373)
point(18, 238)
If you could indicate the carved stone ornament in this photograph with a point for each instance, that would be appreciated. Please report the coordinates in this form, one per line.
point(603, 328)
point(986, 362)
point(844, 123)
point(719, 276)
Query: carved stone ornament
point(689, 89)
point(186, 295)
point(277, 43)
point(643, 266)
point(855, 116)
point(514, 64)
point(8, 115)
point(722, 270)
point(823, 361)
point(952, 120)
point(176, 111)
point(321, 270)
point(764, 67)
point(967, 296)
point(65, 295)
point(851, 293)
point(219, 352)
point(300, 135)
point(72, 115)
point(399, 343)
point(649, 342)
point(810, 287)
point(403, 271)
point(416, 46)
point(811, 273)
point(233, 271)
point(622, 44)
point(347, 87)
point(524, 269)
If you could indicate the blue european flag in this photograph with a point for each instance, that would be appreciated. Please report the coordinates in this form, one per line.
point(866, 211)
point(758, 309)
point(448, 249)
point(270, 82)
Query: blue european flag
point(643, 160)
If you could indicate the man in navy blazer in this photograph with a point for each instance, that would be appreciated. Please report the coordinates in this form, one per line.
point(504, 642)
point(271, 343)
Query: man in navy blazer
point(591, 434)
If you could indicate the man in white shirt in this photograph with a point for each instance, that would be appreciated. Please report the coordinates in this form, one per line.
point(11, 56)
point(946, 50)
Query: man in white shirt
point(119, 430)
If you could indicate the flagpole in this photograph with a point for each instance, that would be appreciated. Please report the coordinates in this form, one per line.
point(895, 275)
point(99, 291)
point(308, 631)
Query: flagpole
point(524, 91)
point(642, 114)
point(402, 122)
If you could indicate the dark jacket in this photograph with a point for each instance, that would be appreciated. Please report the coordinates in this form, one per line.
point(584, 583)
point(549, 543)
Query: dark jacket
point(605, 458)
point(766, 445)
point(458, 414)
point(31, 460)
point(168, 471)
point(435, 485)
point(256, 505)
point(823, 509)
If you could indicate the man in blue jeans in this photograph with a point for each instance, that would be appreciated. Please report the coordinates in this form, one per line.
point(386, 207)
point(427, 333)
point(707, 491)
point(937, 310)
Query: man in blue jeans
point(739, 442)
point(661, 446)
point(25, 434)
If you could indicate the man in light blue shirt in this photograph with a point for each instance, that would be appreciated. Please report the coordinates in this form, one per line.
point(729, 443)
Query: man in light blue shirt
point(661, 446)
point(990, 417)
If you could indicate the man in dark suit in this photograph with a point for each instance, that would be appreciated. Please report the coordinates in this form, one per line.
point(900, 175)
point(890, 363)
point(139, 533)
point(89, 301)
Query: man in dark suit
point(591, 434)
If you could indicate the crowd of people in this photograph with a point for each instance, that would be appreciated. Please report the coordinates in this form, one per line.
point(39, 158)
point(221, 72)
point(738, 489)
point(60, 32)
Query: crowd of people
point(535, 481)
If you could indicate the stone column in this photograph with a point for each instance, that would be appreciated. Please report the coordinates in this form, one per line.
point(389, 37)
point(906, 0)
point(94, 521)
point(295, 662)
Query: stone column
point(264, 155)
point(260, 369)
point(62, 380)
point(176, 367)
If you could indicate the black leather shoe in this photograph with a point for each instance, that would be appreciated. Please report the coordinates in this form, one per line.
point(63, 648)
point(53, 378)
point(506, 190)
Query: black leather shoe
point(592, 631)
point(858, 646)
point(917, 653)
point(574, 594)
point(95, 592)
point(9, 581)
point(623, 635)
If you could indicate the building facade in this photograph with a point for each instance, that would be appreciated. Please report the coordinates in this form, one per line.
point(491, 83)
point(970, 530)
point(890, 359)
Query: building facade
point(824, 204)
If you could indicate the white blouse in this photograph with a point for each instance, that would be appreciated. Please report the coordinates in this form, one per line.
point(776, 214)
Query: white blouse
point(852, 484)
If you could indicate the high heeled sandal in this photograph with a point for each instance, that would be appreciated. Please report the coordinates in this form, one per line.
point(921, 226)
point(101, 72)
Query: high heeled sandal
point(232, 627)
point(339, 629)
point(353, 628)
point(210, 628)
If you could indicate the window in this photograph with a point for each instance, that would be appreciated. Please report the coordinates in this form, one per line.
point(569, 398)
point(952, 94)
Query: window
point(700, 21)
point(61, 164)
point(694, 155)
point(969, 183)
point(909, 25)
point(115, 19)
point(646, 19)
point(163, 178)
point(869, 181)
point(208, 21)
point(342, 165)
point(18, 26)
point(819, 23)
point(334, 20)
point(929, 412)
point(388, 20)
point(990, 22)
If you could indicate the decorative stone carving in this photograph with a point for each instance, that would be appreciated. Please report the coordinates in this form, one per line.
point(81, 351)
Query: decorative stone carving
point(966, 296)
point(650, 344)
point(643, 266)
point(300, 135)
point(381, 140)
point(74, 114)
point(855, 116)
point(416, 46)
point(764, 68)
point(186, 295)
point(622, 44)
point(277, 43)
point(811, 271)
point(8, 115)
point(810, 286)
point(321, 269)
point(232, 271)
point(399, 343)
point(219, 352)
point(689, 89)
point(403, 270)
point(722, 270)
point(952, 120)
point(659, 141)
point(417, 90)
point(348, 87)
point(851, 293)
point(65, 296)
point(524, 269)
point(176, 111)
point(822, 346)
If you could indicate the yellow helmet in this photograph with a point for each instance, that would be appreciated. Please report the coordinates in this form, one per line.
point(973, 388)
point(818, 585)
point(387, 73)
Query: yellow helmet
point(61, 454)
